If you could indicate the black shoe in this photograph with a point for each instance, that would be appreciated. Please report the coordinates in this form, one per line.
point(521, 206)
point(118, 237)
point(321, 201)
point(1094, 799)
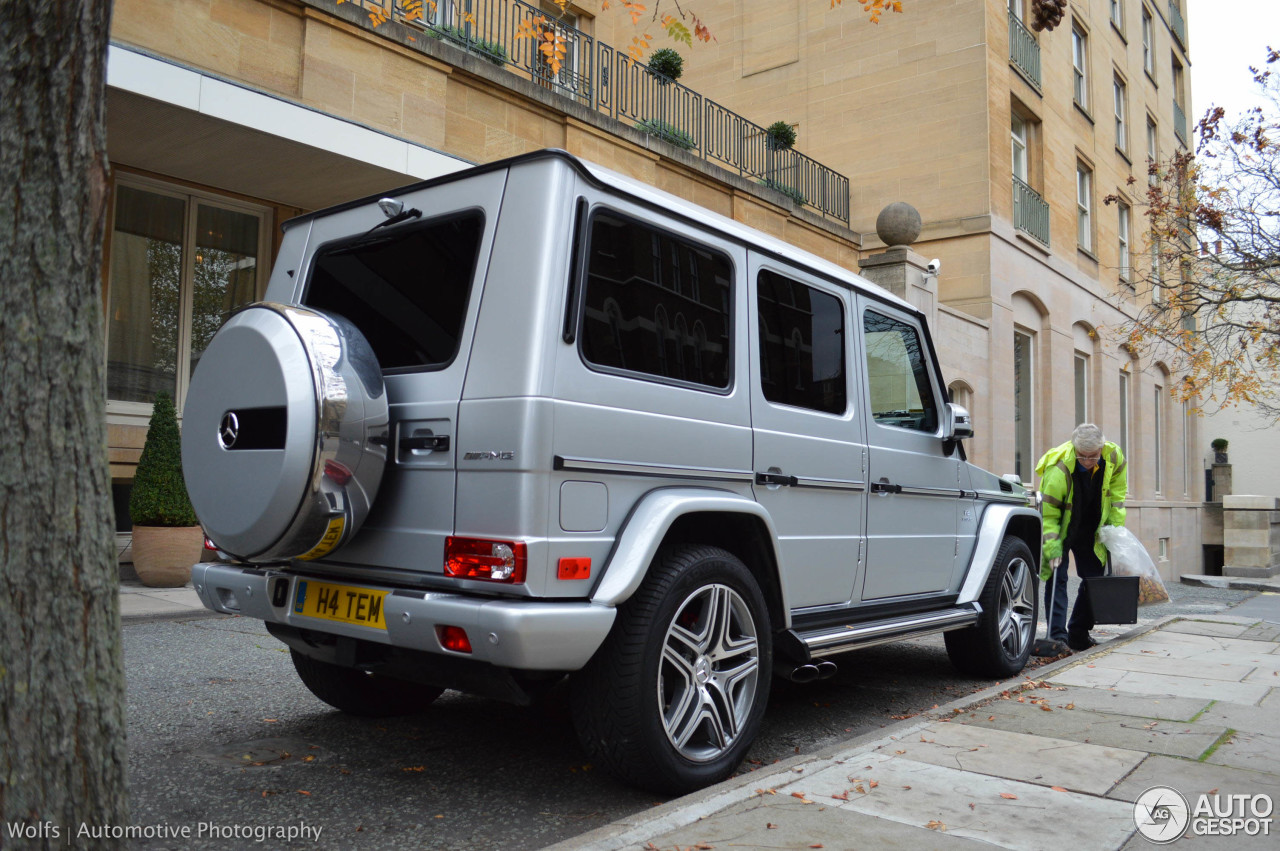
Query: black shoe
point(1081, 642)
point(1049, 648)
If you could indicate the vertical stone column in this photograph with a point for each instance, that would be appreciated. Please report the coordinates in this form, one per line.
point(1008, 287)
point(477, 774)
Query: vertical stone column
point(898, 268)
point(1221, 474)
point(1251, 536)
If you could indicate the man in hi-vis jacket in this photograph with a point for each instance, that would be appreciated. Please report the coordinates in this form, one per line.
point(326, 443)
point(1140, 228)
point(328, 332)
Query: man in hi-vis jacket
point(1082, 487)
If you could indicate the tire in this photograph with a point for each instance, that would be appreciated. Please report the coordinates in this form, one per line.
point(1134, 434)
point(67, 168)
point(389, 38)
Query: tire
point(674, 697)
point(999, 644)
point(360, 693)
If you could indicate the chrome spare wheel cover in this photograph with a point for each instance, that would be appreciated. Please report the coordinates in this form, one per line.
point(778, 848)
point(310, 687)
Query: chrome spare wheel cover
point(1017, 608)
point(707, 680)
point(284, 436)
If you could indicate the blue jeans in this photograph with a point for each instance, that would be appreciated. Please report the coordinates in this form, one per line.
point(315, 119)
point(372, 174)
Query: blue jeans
point(1055, 594)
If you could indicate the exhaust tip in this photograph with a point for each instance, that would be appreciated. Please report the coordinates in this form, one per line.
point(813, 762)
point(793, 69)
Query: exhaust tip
point(826, 670)
point(803, 674)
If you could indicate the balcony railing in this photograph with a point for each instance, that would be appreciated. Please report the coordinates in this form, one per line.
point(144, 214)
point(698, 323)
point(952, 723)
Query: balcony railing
point(1030, 211)
point(1024, 50)
point(1179, 122)
point(608, 81)
point(1177, 24)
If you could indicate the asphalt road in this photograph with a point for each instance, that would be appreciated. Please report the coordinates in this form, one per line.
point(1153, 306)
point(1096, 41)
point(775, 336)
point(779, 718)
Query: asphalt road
point(226, 744)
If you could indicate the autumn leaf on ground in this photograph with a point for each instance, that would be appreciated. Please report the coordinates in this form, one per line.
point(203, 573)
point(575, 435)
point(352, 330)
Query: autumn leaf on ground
point(304, 792)
point(899, 752)
point(906, 788)
point(1008, 796)
point(972, 805)
point(1212, 791)
point(770, 826)
point(816, 845)
point(801, 797)
point(842, 796)
point(936, 825)
point(1057, 788)
point(1045, 707)
point(991, 717)
point(873, 783)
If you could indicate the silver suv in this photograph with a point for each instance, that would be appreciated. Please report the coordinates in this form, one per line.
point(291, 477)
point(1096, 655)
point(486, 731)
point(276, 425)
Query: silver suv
point(538, 419)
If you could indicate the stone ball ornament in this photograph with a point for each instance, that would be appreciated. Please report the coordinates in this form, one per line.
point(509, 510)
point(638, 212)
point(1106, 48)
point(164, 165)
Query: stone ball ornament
point(898, 224)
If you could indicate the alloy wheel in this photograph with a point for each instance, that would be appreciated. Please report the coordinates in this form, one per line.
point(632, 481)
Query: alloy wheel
point(1017, 608)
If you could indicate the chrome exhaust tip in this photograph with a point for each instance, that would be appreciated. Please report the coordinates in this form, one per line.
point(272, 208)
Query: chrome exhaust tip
point(826, 670)
point(802, 674)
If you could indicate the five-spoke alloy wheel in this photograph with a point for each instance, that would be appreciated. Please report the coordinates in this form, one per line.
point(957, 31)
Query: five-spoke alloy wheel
point(999, 644)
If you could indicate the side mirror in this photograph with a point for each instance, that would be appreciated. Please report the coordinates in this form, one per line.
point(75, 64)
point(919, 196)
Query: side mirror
point(959, 426)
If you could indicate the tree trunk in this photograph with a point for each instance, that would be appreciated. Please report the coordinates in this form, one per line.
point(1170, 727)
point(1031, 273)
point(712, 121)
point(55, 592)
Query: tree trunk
point(62, 728)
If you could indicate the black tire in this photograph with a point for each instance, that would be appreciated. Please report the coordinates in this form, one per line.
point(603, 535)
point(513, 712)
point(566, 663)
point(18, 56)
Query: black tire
point(360, 693)
point(673, 699)
point(999, 644)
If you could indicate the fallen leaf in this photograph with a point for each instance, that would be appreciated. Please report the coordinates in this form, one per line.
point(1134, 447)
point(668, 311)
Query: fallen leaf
point(1046, 707)
point(873, 783)
point(271, 720)
point(1071, 706)
point(899, 751)
point(859, 789)
point(908, 788)
point(441, 815)
point(972, 805)
point(1212, 791)
point(1009, 796)
point(1057, 788)
point(702, 846)
point(991, 717)
point(816, 845)
point(304, 792)
point(936, 825)
point(768, 826)
point(843, 796)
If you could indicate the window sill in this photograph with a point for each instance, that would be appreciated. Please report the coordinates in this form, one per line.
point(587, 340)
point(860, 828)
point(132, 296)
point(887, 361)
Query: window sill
point(1124, 156)
point(1087, 252)
point(1080, 108)
point(1150, 78)
point(1115, 29)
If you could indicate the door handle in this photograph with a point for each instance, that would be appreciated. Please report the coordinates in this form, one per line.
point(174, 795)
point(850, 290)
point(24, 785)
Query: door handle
point(426, 443)
point(775, 479)
point(884, 487)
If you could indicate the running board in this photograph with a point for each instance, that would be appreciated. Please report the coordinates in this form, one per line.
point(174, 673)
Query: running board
point(828, 641)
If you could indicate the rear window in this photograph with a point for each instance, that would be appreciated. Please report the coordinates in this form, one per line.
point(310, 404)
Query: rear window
point(656, 304)
point(406, 289)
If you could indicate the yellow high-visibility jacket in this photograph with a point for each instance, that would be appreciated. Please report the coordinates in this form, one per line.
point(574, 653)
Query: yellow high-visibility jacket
point(1055, 470)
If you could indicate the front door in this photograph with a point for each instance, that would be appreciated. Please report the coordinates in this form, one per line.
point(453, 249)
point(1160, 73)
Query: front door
point(914, 474)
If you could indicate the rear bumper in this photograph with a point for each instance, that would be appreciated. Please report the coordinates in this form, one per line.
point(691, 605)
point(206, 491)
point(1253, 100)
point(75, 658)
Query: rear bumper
point(518, 634)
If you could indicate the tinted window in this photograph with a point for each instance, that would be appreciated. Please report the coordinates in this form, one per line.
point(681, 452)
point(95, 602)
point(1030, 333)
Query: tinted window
point(896, 374)
point(801, 345)
point(656, 304)
point(406, 289)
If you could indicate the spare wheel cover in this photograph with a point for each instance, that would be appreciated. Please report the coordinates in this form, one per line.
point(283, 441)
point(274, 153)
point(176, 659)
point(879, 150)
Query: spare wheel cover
point(284, 436)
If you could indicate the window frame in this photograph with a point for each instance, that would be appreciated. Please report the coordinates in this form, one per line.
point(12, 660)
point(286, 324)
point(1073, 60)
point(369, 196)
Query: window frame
point(1029, 373)
point(1157, 448)
point(1116, 16)
point(1080, 66)
point(1081, 366)
point(1120, 96)
point(1123, 402)
point(764, 324)
point(1084, 207)
point(1023, 143)
point(126, 412)
point(1148, 43)
point(928, 366)
point(1123, 236)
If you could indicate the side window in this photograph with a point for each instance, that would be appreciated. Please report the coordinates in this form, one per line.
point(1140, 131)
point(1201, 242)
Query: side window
point(656, 304)
point(897, 376)
point(801, 345)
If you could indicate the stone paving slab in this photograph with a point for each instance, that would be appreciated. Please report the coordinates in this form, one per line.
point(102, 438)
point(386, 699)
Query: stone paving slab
point(1153, 664)
point(1248, 719)
point(1193, 778)
point(1137, 682)
point(1213, 628)
point(1080, 767)
point(1166, 638)
point(1005, 813)
point(1248, 750)
point(1147, 706)
point(1174, 738)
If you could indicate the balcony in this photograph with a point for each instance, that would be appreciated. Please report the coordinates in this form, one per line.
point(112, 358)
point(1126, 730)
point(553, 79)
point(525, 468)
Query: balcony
point(1177, 25)
point(600, 78)
point(1179, 122)
point(1024, 51)
point(1030, 212)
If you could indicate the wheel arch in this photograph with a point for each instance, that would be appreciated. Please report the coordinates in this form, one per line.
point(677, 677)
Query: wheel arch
point(694, 515)
point(998, 522)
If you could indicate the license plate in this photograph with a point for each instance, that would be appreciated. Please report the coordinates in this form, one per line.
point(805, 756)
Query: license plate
point(342, 603)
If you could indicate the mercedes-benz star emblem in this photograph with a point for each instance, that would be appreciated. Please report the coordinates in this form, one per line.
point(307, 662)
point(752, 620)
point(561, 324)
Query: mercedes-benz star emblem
point(229, 431)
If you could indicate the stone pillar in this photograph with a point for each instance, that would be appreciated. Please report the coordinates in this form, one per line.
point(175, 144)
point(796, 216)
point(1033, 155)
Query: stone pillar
point(899, 269)
point(1221, 474)
point(1251, 536)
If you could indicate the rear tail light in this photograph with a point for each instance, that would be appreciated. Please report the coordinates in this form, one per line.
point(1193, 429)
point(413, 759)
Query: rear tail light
point(208, 544)
point(454, 638)
point(476, 558)
point(573, 568)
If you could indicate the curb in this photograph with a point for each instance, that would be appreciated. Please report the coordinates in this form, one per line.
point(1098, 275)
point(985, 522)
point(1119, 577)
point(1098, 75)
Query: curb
point(1236, 583)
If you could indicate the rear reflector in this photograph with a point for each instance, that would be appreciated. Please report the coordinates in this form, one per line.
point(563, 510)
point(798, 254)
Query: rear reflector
point(454, 638)
point(476, 558)
point(573, 568)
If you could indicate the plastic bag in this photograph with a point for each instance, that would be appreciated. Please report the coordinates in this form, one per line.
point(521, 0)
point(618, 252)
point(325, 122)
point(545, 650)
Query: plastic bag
point(1130, 558)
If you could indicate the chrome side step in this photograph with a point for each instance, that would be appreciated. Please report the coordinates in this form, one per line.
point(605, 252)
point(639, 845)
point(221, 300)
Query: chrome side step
point(828, 641)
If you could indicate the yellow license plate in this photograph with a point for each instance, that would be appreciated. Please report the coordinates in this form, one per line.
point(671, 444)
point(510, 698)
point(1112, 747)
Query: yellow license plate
point(343, 603)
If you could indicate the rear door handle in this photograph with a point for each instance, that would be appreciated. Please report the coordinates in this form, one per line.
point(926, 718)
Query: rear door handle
point(426, 443)
point(775, 479)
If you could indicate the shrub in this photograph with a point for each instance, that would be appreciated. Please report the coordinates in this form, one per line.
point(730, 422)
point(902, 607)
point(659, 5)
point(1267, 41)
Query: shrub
point(780, 135)
point(667, 63)
point(159, 496)
point(1219, 444)
point(491, 50)
point(790, 191)
point(667, 133)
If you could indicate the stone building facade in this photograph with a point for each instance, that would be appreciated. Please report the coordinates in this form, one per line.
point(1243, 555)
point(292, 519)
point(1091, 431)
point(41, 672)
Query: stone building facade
point(226, 117)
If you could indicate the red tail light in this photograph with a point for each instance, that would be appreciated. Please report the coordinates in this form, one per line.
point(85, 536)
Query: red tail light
point(476, 558)
point(573, 568)
point(454, 638)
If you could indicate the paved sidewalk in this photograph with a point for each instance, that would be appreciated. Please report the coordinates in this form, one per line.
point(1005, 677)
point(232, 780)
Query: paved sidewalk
point(1052, 762)
point(138, 602)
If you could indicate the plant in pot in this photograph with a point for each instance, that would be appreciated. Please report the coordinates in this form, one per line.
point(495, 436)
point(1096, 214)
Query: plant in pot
point(1219, 450)
point(780, 136)
point(666, 63)
point(167, 538)
point(666, 66)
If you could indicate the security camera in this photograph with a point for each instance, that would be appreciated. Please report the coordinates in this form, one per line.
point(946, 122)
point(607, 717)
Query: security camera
point(934, 267)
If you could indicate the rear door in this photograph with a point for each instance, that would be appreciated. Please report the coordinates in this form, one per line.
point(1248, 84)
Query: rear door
point(414, 290)
point(807, 430)
point(914, 477)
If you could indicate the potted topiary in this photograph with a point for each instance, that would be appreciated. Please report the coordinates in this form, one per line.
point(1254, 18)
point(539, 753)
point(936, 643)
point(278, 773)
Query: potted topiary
point(780, 136)
point(1219, 450)
point(166, 535)
point(666, 64)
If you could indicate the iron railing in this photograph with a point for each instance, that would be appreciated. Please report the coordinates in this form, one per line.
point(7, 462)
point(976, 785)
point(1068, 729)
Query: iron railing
point(1177, 25)
point(1024, 50)
point(1179, 122)
point(1030, 211)
point(608, 81)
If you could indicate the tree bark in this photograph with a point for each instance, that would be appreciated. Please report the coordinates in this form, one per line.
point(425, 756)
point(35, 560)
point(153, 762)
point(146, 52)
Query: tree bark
point(62, 720)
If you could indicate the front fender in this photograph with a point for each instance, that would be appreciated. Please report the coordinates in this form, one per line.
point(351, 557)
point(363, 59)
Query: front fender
point(991, 533)
point(645, 529)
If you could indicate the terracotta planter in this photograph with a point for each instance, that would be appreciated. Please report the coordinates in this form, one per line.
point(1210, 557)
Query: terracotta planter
point(163, 555)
